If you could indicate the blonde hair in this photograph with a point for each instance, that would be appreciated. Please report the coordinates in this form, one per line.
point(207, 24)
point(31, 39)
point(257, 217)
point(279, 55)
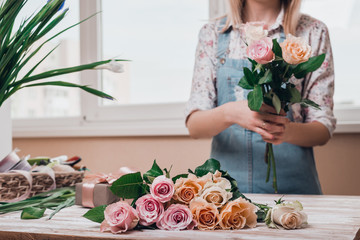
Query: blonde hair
point(291, 14)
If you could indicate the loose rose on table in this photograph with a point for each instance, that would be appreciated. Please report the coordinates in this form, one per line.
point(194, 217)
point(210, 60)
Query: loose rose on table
point(205, 199)
point(286, 215)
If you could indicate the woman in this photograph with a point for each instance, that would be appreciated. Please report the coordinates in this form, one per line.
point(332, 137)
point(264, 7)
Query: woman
point(218, 107)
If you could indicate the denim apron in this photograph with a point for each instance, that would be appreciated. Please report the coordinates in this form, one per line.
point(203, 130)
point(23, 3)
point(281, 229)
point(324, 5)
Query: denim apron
point(241, 151)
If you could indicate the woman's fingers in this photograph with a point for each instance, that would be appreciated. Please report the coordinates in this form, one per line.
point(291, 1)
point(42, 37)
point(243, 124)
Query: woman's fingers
point(264, 134)
point(280, 120)
point(269, 109)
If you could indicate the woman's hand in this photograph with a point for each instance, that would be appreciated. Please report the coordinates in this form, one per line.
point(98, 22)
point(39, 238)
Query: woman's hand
point(265, 122)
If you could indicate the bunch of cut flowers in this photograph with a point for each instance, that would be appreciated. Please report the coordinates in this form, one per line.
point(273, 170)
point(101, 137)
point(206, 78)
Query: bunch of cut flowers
point(205, 199)
point(271, 80)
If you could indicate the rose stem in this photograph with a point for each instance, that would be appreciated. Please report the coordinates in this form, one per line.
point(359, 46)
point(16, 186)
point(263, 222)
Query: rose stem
point(271, 152)
point(267, 157)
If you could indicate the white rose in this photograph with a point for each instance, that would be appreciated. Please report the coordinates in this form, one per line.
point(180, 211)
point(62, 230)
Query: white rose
point(254, 31)
point(286, 215)
point(216, 193)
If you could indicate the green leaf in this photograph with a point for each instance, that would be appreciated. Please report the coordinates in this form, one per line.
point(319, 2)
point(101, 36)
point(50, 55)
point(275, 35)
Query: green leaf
point(128, 186)
point(211, 165)
point(67, 84)
point(154, 172)
point(32, 213)
point(245, 84)
point(255, 98)
point(179, 176)
point(309, 103)
point(68, 203)
point(295, 95)
point(311, 65)
point(253, 63)
point(267, 78)
point(249, 76)
point(276, 103)
point(96, 214)
point(276, 48)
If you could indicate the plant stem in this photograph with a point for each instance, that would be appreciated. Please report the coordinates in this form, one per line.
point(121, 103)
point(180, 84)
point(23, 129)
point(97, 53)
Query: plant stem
point(267, 160)
point(272, 158)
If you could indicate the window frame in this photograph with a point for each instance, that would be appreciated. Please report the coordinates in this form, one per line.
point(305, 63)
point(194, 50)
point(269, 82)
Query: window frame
point(164, 119)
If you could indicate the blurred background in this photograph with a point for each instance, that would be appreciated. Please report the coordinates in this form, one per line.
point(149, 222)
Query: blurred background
point(146, 122)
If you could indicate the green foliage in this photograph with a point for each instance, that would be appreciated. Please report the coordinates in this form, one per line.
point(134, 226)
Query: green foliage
point(129, 186)
point(276, 103)
point(55, 200)
point(32, 213)
point(245, 84)
point(179, 176)
point(154, 172)
point(15, 45)
point(311, 65)
point(211, 165)
point(255, 98)
point(96, 214)
point(267, 78)
point(276, 48)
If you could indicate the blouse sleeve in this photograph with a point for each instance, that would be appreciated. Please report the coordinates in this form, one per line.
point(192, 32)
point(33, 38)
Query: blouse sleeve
point(203, 91)
point(319, 85)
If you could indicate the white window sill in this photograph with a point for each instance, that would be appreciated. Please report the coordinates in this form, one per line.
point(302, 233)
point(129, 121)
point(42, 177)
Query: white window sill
point(348, 122)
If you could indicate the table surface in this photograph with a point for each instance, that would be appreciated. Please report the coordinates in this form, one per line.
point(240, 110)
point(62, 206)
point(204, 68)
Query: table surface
point(329, 217)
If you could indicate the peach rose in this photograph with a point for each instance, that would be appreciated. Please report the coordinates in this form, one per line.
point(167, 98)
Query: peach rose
point(261, 51)
point(255, 31)
point(162, 189)
point(216, 193)
point(186, 189)
point(119, 217)
point(176, 217)
point(237, 214)
point(287, 215)
point(205, 214)
point(217, 177)
point(149, 209)
point(295, 50)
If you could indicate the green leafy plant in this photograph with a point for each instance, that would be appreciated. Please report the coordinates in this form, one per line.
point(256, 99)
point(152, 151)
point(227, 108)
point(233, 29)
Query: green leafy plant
point(16, 49)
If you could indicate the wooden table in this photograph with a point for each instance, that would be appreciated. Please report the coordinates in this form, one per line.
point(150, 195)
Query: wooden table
point(329, 217)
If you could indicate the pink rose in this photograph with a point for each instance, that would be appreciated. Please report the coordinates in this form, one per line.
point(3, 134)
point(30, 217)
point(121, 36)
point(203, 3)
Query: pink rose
point(162, 188)
point(176, 217)
point(149, 209)
point(119, 217)
point(261, 51)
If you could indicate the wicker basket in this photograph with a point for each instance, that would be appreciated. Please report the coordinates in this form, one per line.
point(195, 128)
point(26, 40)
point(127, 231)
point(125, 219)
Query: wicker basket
point(13, 185)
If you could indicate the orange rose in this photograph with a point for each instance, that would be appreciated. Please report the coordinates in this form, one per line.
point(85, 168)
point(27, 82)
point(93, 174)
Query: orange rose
point(295, 50)
point(205, 214)
point(237, 214)
point(186, 189)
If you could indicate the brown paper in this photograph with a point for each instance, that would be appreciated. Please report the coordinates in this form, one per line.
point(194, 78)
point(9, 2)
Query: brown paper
point(102, 195)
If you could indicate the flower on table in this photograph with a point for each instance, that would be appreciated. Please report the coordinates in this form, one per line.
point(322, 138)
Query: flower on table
point(149, 209)
point(205, 214)
point(119, 217)
point(237, 214)
point(162, 188)
point(217, 193)
point(286, 215)
point(186, 189)
point(177, 217)
point(295, 50)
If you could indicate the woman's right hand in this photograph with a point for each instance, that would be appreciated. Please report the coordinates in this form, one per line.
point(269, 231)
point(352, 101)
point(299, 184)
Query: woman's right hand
point(264, 122)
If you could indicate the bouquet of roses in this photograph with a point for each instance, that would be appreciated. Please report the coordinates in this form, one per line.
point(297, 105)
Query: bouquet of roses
point(274, 67)
point(207, 199)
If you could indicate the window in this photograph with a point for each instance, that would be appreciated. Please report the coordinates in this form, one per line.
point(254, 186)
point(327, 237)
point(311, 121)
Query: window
point(156, 83)
point(48, 101)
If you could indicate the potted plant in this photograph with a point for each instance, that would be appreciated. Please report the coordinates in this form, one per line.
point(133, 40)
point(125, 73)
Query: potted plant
point(17, 49)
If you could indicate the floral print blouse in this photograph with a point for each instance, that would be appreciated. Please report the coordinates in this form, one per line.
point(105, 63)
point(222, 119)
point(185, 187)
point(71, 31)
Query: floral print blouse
point(317, 86)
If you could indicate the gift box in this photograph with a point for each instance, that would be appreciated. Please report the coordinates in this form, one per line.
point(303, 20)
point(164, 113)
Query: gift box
point(93, 195)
